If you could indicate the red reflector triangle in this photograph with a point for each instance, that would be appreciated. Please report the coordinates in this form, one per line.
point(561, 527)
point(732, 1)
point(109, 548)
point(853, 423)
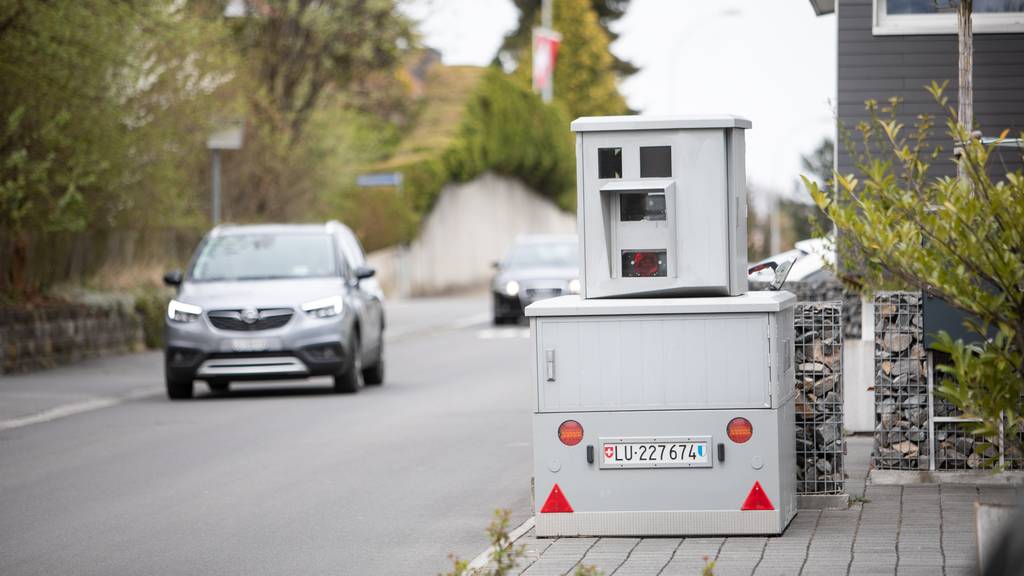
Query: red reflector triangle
point(757, 499)
point(556, 502)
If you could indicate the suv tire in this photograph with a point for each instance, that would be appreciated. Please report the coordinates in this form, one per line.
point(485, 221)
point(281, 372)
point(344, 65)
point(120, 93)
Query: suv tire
point(374, 375)
point(179, 388)
point(350, 380)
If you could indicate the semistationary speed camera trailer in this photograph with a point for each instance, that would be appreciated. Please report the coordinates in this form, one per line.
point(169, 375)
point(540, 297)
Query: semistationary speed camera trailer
point(663, 415)
point(662, 206)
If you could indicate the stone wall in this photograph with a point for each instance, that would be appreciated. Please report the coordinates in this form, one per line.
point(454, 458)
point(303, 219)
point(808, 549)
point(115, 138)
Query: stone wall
point(37, 337)
point(826, 289)
point(472, 225)
point(819, 402)
point(901, 383)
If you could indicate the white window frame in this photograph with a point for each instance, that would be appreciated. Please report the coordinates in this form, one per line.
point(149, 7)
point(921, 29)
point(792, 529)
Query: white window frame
point(883, 24)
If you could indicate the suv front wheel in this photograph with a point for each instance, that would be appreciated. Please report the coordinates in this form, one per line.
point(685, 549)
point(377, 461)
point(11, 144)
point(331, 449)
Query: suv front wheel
point(350, 380)
point(178, 388)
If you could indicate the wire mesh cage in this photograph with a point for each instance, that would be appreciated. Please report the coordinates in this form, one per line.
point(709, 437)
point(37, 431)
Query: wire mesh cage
point(1013, 456)
point(956, 447)
point(818, 328)
point(901, 384)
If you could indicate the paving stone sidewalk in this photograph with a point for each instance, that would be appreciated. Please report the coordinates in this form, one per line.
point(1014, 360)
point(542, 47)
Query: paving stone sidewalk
point(925, 529)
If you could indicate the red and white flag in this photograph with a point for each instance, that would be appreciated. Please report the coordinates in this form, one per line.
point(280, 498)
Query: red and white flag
point(545, 52)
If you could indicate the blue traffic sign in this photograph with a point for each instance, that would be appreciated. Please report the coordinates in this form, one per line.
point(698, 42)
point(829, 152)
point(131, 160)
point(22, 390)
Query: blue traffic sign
point(379, 179)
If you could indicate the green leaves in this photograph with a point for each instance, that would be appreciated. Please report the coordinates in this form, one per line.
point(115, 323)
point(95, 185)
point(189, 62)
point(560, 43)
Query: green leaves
point(963, 240)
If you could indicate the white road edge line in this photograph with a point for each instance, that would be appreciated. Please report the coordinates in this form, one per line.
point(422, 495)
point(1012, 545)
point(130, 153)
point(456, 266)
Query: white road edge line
point(471, 320)
point(457, 324)
point(66, 410)
point(484, 557)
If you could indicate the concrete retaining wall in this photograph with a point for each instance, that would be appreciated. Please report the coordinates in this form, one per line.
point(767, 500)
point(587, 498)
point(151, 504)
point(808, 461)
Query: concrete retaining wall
point(50, 335)
point(470, 227)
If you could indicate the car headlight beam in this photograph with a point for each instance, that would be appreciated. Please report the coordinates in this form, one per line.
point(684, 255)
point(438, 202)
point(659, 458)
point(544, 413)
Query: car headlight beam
point(324, 307)
point(512, 288)
point(182, 312)
point(574, 286)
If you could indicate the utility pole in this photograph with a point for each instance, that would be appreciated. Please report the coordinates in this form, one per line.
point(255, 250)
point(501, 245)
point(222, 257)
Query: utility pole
point(775, 232)
point(548, 93)
point(544, 50)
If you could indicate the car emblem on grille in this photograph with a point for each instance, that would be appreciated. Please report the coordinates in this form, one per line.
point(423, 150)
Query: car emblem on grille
point(250, 315)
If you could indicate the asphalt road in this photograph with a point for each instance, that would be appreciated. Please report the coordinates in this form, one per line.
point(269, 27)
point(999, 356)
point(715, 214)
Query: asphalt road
point(272, 478)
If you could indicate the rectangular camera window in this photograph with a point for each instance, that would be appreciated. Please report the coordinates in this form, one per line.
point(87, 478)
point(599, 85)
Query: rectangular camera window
point(644, 264)
point(609, 163)
point(655, 161)
point(640, 206)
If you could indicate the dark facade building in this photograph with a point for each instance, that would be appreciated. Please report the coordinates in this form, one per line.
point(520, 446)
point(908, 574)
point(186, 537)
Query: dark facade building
point(892, 48)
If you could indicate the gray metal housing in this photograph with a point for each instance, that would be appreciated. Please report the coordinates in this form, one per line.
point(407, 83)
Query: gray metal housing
point(702, 231)
point(665, 368)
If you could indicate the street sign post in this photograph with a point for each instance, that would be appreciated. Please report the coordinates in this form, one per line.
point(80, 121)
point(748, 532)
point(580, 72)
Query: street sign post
point(228, 138)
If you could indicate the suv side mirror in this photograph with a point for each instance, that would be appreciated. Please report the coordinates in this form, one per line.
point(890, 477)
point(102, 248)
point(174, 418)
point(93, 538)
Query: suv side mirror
point(364, 272)
point(496, 265)
point(173, 278)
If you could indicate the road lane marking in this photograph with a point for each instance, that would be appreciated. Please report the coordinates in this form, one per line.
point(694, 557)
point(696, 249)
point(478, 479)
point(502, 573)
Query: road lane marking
point(471, 320)
point(458, 324)
point(484, 557)
point(502, 333)
point(65, 410)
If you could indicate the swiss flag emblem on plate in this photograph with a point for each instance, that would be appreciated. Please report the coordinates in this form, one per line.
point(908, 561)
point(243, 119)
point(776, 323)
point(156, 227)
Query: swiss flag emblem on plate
point(609, 452)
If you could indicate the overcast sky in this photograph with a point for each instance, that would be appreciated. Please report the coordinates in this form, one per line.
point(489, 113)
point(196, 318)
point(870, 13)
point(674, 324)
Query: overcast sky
point(770, 61)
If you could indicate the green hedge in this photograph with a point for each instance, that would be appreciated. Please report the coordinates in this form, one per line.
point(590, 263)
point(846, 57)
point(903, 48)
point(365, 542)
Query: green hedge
point(508, 129)
point(503, 127)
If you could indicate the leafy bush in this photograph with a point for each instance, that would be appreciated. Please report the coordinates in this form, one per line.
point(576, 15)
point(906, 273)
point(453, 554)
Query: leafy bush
point(502, 126)
point(151, 306)
point(961, 239)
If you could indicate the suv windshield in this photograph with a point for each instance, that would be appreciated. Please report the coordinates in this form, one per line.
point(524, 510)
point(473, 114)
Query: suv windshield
point(265, 256)
point(543, 255)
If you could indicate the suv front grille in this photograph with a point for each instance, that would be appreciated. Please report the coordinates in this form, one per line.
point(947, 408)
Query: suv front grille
point(265, 319)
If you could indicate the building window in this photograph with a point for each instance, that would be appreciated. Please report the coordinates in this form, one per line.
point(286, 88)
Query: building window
point(919, 17)
point(655, 161)
point(609, 163)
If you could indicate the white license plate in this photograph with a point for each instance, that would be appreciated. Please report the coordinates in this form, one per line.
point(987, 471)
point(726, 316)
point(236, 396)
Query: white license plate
point(682, 452)
point(249, 345)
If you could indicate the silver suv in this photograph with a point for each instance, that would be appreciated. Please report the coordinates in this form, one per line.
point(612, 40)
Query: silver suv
point(272, 302)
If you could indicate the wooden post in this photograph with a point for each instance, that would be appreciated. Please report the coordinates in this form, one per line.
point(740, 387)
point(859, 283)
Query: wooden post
point(965, 92)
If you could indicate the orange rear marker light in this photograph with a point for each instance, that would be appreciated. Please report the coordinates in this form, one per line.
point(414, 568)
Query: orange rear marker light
point(570, 432)
point(740, 430)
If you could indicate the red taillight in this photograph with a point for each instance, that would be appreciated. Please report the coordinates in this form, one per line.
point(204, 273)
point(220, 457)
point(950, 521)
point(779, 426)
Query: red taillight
point(739, 430)
point(570, 433)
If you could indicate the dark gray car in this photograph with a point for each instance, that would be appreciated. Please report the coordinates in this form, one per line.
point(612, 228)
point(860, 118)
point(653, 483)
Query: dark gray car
point(273, 302)
point(536, 267)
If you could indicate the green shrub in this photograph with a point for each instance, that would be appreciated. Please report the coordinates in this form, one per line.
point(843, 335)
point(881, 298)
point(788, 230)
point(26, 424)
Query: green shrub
point(502, 126)
point(151, 306)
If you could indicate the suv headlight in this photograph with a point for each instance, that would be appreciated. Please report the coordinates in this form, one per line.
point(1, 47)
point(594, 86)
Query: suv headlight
point(181, 312)
point(324, 307)
point(512, 288)
point(574, 286)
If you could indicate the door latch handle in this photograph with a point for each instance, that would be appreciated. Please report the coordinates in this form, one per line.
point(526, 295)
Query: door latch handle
point(549, 364)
